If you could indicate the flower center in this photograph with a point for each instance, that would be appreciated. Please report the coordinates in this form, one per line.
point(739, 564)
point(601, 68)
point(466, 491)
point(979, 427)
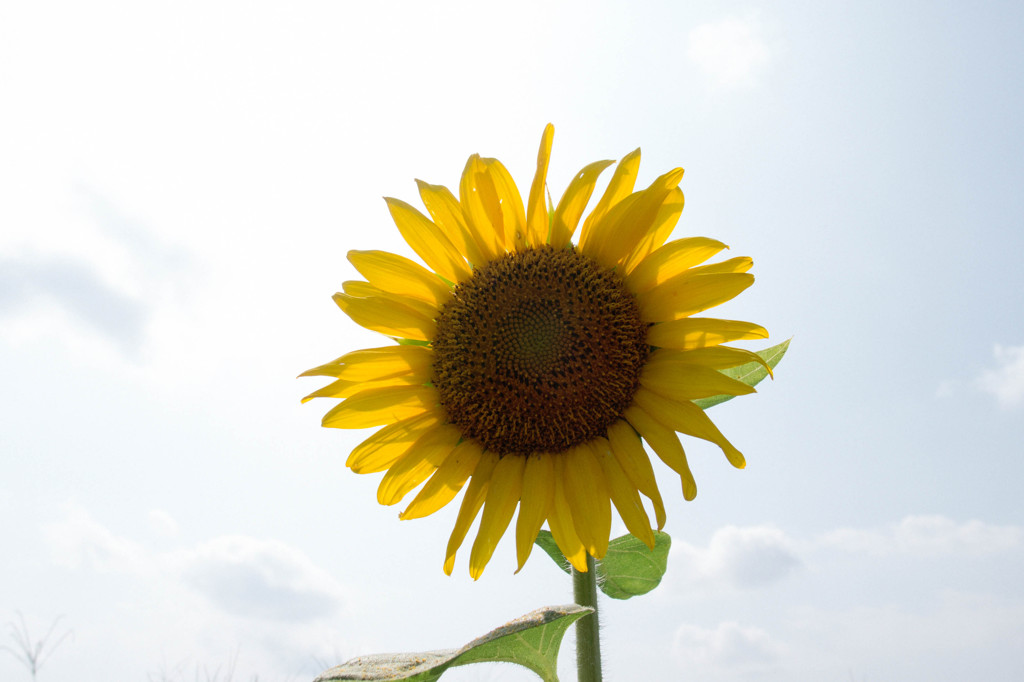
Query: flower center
point(539, 351)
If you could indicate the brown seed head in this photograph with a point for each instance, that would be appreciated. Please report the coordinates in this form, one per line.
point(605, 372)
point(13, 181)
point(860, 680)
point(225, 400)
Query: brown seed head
point(539, 351)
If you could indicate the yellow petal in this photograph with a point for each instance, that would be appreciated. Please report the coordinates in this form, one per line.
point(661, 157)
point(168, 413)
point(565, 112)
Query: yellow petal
point(379, 406)
point(474, 202)
point(560, 521)
point(624, 494)
point(587, 494)
point(687, 418)
point(619, 187)
point(537, 212)
point(536, 500)
point(370, 364)
point(737, 264)
point(510, 203)
point(702, 332)
point(383, 448)
point(685, 295)
point(665, 444)
point(428, 453)
point(490, 201)
point(722, 357)
point(664, 223)
point(361, 289)
point(670, 260)
point(574, 201)
point(386, 316)
point(374, 364)
point(617, 236)
point(328, 369)
point(684, 381)
point(343, 388)
point(446, 482)
point(629, 452)
point(398, 275)
point(446, 212)
point(471, 503)
point(502, 498)
point(428, 241)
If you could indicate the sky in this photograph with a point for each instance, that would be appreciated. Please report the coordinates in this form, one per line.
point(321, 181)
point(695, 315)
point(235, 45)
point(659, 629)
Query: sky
point(180, 182)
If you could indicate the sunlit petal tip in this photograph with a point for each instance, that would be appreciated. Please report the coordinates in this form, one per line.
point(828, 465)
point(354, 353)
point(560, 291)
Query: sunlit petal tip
point(673, 178)
point(560, 521)
point(472, 501)
point(386, 316)
point(586, 490)
point(689, 490)
point(570, 207)
point(687, 294)
point(735, 458)
point(502, 497)
point(428, 241)
point(535, 503)
point(446, 482)
point(421, 460)
point(537, 215)
point(623, 493)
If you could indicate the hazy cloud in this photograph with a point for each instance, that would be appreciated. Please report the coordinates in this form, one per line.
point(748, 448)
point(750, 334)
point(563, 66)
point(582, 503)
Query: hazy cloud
point(80, 541)
point(162, 523)
point(742, 558)
point(261, 578)
point(1006, 381)
point(929, 536)
point(87, 264)
point(78, 290)
point(730, 647)
point(242, 576)
point(159, 257)
point(731, 52)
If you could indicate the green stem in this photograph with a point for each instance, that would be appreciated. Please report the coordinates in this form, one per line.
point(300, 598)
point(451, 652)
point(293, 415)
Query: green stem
point(588, 640)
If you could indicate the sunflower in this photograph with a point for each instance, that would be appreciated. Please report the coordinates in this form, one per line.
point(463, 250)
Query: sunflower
point(529, 369)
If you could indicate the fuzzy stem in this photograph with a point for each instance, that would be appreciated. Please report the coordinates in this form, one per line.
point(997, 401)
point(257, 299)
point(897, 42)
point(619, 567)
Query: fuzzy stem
point(588, 641)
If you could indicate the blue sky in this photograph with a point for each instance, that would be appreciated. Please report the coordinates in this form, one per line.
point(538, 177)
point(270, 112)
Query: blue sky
point(179, 183)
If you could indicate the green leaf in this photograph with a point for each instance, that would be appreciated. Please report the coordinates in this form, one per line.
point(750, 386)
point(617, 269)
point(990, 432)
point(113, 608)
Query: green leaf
point(531, 641)
point(547, 542)
point(629, 568)
point(751, 373)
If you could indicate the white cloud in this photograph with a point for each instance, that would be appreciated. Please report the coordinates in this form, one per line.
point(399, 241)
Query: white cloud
point(261, 579)
point(730, 647)
point(77, 290)
point(739, 557)
point(81, 541)
point(731, 52)
point(243, 576)
point(1005, 382)
point(928, 536)
point(162, 523)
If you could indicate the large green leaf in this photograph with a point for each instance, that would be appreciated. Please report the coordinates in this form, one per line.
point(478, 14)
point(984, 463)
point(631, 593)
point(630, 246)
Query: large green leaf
point(751, 373)
point(629, 568)
point(531, 641)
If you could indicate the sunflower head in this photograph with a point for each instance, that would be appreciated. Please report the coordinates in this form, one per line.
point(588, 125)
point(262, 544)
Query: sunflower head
point(529, 370)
